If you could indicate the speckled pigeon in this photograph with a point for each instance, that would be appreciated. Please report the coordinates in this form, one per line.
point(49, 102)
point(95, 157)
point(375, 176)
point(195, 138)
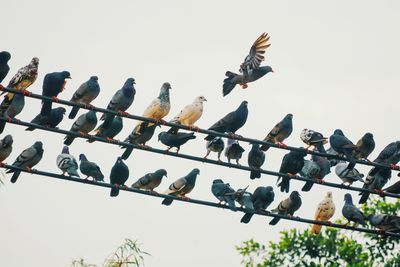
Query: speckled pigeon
point(233, 151)
point(83, 124)
point(138, 139)
point(256, 159)
point(351, 213)
point(189, 114)
point(4, 68)
point(280, 132)
point(85, 94)
point(215, 145)
point(118, 176)
point(150, 180)
point(325, 211)
point(53, 84)
point(262, 198)
point(313, 138)
point(342, 145)
point(175, 139)
point(224, 193)
point(67, 163)
point(6, 147)
point(52, 121)
point(292, 163)
point(287, 207)
point(385, 222)
point(90, 169)
point(364, 146)
point(182, 186)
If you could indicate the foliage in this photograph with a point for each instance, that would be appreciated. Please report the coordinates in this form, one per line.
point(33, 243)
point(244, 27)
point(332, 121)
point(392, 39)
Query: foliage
point(333, 247)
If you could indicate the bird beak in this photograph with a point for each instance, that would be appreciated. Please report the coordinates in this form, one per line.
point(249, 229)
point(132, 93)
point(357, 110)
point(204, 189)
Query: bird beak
point(69, 77)
point(246, 188)
point(205, 99)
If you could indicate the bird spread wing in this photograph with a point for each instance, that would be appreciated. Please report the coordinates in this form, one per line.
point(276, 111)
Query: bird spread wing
point(256, 54)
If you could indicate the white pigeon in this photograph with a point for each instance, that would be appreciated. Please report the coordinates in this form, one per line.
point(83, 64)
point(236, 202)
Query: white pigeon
point(67, 163)
point(325, 211)
point(190, 113)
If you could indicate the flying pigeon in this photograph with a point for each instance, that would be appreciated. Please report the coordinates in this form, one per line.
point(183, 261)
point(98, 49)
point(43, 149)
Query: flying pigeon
point(182, 186)
point(10, 111)
point(138, 139)
point(351, 213)
point(52, 121)
point(325, 211)
point(85, 94)
point(256, 159)
point(67, 163)
point(224, 193)
point(4, 68)
point(6, 147)
point(287, 207)
point(375, 182)
point(175, 139)
point(110, 132)
point(90, 169)
point(250, 68)
point(385, 222)
point(262, 198)
point(364, 146)
point(83, 124)
point(346, 175)
point(292, 163)
point(53, 84)
point(118, 176)
point(314, 138)
point(215, 145)
point(233, 151)
point(150, 181)
point(280, 132)
point(317, 168)
point(342, 145)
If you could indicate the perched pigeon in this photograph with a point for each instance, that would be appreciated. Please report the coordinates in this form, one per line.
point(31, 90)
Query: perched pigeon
point(83, 124)
point(342, 145)
point(10, 111)
point(364, 146)
point(351, 213)
point(262, 198)
point(138, 139)
point(215, 145)
point(27, 159)
point(52, 121)
point(189, 114)
point(224, 193)
point(394, 188)
point(158, 108)
point(244, 198)
point(292, 163)
point(313, 138)
point(150, 180)
point(90, 169)
point(110, 132)
point(67, 163)
point(120, 101)
point(233, 151)
point(385, 222)
point(175, 139)
point(118, 176)
point(280, 132)
point(317, 168)
point(53, 84)
point(390, 155)
point(375, 182)
point(250, 68)
point(255, 160)
point(182, 186)
point(346, 175)
point(287, 207)
point(325, 211)
point(4, 68)
point(85, 94)
point(232, 122)
point(333, 161)
point(6, 147)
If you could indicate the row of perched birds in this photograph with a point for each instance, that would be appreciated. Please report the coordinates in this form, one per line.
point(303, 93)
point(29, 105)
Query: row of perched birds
point(293, 162)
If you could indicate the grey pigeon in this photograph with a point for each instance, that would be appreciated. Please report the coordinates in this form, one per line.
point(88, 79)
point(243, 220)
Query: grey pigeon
point(138, 139)
point(244, 198)
point(85, 94)
point(314, 138)
point(233, 151)
point(150, 180)
point(317, 168)
point(6, 147)
point(250, 68)
point(110, 132)
point(175, 139)
point(287, 207)
point(280, 132)
point(182, 186)
point(120, 101)
point(4, 68)
point(224, 193)
point(292, 163)
point(342, 145)
point(10, 111)
point(256, 159)
point(385, 222)
point(67, 163)
point(333, 161)
point(351, 213)
point(390, 155)
point(364, 146)
point(52, 121)
point(394, 188)
point(118, 176)
point(83, 124)
point(53, 84)
point(27, 159)
point(90, 169)
point(215, 145)
point(262, 198)
point(375, 182)
point(346, 175)
point(232, 122)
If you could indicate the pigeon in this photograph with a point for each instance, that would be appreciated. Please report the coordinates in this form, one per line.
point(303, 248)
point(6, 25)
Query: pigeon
point(232, 122)
point(244, 198)
point(256, 159)
point(67, 163)
point(150, 180)
point(325, 211)
point(385, 222)
point(27, 159)
point(364, 146)
point(233, 151)
point(250, 68)
point(10, 111)
point(90, 169)
point(120, 102)
point(280, 132)
point(292, 163)
point(110, 132)
point(390, 155)
point(189, 114)
point(342, 145)
point(182, 186)
point(333, 161)
point(394, 188)
point(175, 139)
point(262, 198)
point(85, 94)
point(224, 193)
point(6, 147)
point(53, 84)
point(138, 139)
point(83, 124)
point(118, 176)
point(346, 175)
point(314, 138)
point(287, 207)
point(4, 68)
point(215, 145)
point(52, 121)
point(351, 213)
point(317, 168)
point(375, 182)
point(158, 108)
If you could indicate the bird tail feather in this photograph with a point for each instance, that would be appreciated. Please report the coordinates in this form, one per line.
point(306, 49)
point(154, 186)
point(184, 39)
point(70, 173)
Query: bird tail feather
point(316, 229)
point(127, 153)
point(364, 198)
point(2, 126)
point(46, 108)
point(246, 218)
point(255, 174)
point(307, 187)
point(73, 112)
point(15, 176)
point(68, 140)
point(114, 192)
point(228, 85)
point(167, 201)
point(274, 221)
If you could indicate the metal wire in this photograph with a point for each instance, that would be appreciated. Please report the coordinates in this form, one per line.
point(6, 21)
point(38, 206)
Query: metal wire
point(194, 158)
point(196, 201)
point(203, 131)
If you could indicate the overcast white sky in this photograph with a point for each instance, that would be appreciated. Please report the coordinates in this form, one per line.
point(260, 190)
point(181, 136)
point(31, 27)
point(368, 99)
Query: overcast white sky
point(335, 63)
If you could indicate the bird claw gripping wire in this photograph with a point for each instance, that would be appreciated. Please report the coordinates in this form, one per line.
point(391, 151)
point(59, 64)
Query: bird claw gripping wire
point(394, 167)
point(89, 106)
point(55, 99)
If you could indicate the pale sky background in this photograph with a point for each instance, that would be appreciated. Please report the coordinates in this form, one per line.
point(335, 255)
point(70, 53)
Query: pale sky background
point(335, 63)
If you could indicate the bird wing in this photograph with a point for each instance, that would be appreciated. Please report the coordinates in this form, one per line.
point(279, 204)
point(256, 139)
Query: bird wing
point(222, 124)
point(325, 210)
point(78, 123)
point(186, 113)
point(80, 92)
point(256, 54)
point(387, 152)
point(115, 100)
point(176, 187)
point(25, 156)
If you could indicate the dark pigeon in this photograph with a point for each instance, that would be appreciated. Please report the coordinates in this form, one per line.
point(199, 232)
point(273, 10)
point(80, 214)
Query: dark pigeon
point(351, 213)
point(83, 124)
point(287, 207)
point(140, 138)
point(233, 151)
point(364, 146)
point(53, 84)
point(52, 121)
point(175, 139)
point(256, 159)
point(118, 176)
point(224, 193)
point(292, 163)
point(90, 169)
point(342, 145)
point(262, 198)
point(4, 68)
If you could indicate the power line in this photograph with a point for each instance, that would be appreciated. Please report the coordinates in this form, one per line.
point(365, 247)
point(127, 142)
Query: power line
point(196, 201)
point(194, 158)
point(199, 130)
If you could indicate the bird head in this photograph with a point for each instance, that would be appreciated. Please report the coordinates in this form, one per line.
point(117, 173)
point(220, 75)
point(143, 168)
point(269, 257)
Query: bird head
point(160, 135)
point(369, 136)
point(244, 103)
point(338, 132)
point(200, 99)
point(268, 69)
point(61, 109)
point(288, 116)
point(8, 140)
point(294, 194)
point(269, 188)
point(166, 86)
point(161, 173)
point(130, 81)
point(348, 198)
point(38, 145)
point(35, 61)
point(66, 74)
point(329, 194)
point(4, 56)
point(65, 150)
point(82, 157)
point(119, 160)
point(218, 181)
point(94, 78)
point(196, 171)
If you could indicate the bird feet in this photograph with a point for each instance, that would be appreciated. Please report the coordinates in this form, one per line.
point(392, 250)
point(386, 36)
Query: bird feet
point(184, 198)
point(160, 121)
point(55, 99)
point(123, 113)
point(29, 169)
point(26, 92)
point(194, 128)
point(144, 146)
point(3, 164)
point(89, 106)
point(111, 140)
point(394, 167)
point(292, 174)
point(281, 145)
point(380, 192)
point(244, 85)
point(319, 181)
point(329, 223)
point(154, 193)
